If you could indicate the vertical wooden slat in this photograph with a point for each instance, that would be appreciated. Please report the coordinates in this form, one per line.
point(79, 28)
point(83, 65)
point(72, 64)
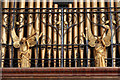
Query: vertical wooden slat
point(59, 37)
point(70, 34)
point(81, 29)
point(43, 29)
point(37, 28)
point(30, 20)
point(88, 25)
point(11, 25)
point(75, 21)
point(113, 32)
point(55, 35)
point(49, 41)
point(4, 32)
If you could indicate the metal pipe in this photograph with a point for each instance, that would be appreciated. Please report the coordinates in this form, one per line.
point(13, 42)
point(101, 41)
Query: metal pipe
point(37, 28)
point(113, 32)
point(3, 30)
point(30, 20)
point(43, 29)
point(81, 30)
point(49, 39)
point(75, 21)
point(88, 25)
point(55, 35)
point(70, 34)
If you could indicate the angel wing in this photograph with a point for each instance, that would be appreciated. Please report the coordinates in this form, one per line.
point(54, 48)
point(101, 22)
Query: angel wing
point(107, 38)
point(15, 38)
point(31, 39)
point(91, 37)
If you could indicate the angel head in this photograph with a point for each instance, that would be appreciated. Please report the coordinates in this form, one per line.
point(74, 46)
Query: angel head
point(16, 44)
point(23, 41)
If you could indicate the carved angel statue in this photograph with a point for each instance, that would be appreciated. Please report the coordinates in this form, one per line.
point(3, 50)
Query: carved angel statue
point(100, 43)
point(24, 44)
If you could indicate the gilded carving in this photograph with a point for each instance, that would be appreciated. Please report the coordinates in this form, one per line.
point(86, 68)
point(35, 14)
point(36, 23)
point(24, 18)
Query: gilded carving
point(100, 43)
point(24, 45)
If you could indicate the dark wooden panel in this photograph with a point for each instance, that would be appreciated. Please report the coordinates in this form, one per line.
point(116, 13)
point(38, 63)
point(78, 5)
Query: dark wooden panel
point(62, 79)
point(61, 73)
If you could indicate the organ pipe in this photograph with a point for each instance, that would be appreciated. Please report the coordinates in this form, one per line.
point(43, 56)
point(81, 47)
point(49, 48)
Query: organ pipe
point(21, 23)
point(50, 5)
point(11, 54)
point(81, 29)
point(94, 20)
point(59, 37)
point(65, 36)
point(75, 32)
point(43, 29)
point(88, 25)
point(117, 4)
point(30, 20)
point(70, 34)
point(113, 32)
point(55, 34)
point(37, 28)
point(4, 32)
point(102, 20)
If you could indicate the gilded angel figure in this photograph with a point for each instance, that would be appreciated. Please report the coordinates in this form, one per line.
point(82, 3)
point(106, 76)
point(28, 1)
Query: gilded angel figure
point(100, 43)
point(24, 44)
